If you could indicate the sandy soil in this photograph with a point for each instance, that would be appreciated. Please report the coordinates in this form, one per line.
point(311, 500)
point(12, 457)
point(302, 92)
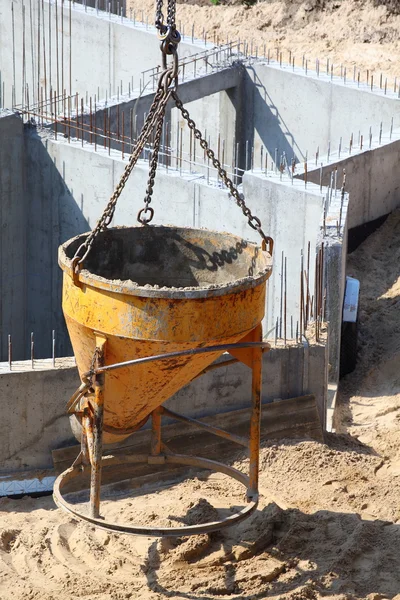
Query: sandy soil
point(328, 525)
point(360, 33)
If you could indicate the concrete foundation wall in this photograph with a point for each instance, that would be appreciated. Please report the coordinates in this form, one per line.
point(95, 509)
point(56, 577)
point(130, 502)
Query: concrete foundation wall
point(215, 116)
point(33, 424)
point(298, 113)
point(372, 181)
point(210, 100)
point(103, 52)
point(71, 192)
point(13, 231)
point(117, 7)
point(291, 214)
point(334, 240)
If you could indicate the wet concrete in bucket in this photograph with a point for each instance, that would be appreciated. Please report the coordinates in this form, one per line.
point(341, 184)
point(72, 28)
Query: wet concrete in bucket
point(171, 262)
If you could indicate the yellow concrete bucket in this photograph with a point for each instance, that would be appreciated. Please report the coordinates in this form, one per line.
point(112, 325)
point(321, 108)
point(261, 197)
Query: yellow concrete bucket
point(154, 290)
point(148, 291)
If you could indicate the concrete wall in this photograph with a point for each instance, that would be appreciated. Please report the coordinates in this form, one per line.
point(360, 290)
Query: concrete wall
point(210, 100)
point(53, 213)
point(13, 231)
point(33, 415)
point(297, 113)
point(35, 423)
point(291, 214)
point(333, 236)
point(80, 181)
point(372, 180)
point(117, 7)
point(106, 50)
point(69, 185)
point(215, 116)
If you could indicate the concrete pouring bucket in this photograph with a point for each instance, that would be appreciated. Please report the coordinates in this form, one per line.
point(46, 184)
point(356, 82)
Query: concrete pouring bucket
point(153, 290)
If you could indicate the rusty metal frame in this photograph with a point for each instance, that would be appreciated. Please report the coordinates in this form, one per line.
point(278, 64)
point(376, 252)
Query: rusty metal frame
point(190, 461)
point(90, 460)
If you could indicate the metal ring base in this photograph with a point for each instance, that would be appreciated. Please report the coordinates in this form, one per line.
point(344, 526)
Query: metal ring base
point(180, 459)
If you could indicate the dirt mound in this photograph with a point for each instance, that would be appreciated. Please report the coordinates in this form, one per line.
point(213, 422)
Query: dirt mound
point(334, 529)
point(360, 33)
point(392, 6)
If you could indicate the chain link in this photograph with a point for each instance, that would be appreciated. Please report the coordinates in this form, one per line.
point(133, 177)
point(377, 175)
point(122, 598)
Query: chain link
point(152, 174)
point(159, 22)
point(155, 116)
point(252, 220)
point(91, 373)
point(167, 32)
point(170, 38)
point(171, 11)
point(171, 14)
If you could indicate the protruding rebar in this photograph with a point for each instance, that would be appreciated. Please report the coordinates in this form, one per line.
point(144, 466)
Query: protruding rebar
point(301, 294)
point(32, 351)
point(282, 292)
point(342, 198)
point(53, 347)
point(285, 303)
point(9, 352)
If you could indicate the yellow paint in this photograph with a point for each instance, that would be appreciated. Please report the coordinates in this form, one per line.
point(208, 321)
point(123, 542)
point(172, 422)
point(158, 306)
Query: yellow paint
point(137, 326)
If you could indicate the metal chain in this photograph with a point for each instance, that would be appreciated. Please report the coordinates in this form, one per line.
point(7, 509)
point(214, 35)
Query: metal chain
point(170, 38)
point(167, 32)
point(171, 11)
point(155, 116)
point(171, 14)
point(152, 174)
point(86, 387)
point(252, 220)
point(159, 22)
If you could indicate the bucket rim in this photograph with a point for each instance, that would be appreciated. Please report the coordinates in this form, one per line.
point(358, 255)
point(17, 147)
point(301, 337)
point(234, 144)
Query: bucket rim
point(132, 288)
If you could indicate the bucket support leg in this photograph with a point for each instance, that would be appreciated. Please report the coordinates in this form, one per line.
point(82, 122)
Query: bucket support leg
point(85, 448)
point(249, 352)
point(156, 432)
point(98, 410)
point(255, 421)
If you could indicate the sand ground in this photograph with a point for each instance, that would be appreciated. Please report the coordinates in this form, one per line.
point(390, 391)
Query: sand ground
point(328, 524)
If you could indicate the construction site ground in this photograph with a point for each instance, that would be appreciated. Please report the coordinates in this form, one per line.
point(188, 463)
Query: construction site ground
point(328, 523)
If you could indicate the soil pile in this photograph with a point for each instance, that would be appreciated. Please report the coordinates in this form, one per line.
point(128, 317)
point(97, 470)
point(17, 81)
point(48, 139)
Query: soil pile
point(352, 33)
point(327, 526)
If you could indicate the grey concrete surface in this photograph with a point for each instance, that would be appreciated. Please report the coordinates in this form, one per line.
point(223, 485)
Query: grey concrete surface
point(372, 179)
point(299, 113)
point(13, 234)
point(334, 240)
point(33, 415)
point(77, 182)
point(291, 214)
point(214, 112)
point(103, 52)
point(33, 401)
